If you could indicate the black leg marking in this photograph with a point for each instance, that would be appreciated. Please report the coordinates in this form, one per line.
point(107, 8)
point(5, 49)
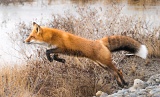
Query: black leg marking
point(48, 52)
point(55, 57)
point(123, 81)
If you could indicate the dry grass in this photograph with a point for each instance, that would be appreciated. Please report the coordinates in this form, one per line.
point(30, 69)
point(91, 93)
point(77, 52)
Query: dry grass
point(13, 82)
point(43, 79)
point(79, 77)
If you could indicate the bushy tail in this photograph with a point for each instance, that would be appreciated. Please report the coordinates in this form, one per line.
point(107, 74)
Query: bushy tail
point(118, 43)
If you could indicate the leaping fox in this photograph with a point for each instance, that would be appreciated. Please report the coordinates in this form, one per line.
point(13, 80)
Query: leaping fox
point(96, 50)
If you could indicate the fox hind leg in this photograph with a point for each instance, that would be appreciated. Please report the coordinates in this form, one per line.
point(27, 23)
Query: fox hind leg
point(117, 74)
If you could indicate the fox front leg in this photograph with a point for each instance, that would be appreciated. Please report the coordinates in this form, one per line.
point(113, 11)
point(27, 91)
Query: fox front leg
point(55, 56)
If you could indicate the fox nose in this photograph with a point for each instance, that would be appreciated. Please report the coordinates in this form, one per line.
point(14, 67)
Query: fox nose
point(26, 42)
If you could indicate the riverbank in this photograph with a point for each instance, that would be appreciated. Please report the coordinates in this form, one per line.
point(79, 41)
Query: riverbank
point(150, 88)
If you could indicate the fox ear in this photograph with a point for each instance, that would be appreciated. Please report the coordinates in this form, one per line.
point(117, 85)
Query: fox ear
point(37, 28)
point(34, 23)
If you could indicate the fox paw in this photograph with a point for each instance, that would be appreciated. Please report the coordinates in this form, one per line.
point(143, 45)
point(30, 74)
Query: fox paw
point(60, 60)
point(50, 59)
point(63, 60)
point(56, 58)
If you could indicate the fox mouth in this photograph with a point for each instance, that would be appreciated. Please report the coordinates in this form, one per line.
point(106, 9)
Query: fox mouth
point(35, 43)
point(27, 42)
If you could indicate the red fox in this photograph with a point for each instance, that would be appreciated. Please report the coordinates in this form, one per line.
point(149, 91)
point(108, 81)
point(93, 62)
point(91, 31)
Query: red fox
point(96, 50)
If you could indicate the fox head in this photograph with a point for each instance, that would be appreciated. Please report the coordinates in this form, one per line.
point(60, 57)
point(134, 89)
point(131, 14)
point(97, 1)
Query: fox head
point(36, 35)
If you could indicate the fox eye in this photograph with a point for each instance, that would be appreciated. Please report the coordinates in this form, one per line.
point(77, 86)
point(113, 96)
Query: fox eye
point(32, 37)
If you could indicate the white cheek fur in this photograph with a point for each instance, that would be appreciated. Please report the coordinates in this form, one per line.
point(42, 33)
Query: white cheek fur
point(43, 44)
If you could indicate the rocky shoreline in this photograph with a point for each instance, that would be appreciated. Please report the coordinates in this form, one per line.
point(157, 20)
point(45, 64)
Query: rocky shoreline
point(151, 88)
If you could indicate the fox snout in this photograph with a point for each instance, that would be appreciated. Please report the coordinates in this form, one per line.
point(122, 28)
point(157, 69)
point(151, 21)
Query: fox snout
point(26, 42)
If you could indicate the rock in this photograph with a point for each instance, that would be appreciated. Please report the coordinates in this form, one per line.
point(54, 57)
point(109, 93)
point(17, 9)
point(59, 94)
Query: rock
point(138, 84)
point(155, 79)
point(142, 92)
point(156, 94)
point(149, 88)
point(101, 94)
point(98, 94)
point(104, 95)
point(132, 95)
point(123, 92)
point(155, 91)
point(116, 95)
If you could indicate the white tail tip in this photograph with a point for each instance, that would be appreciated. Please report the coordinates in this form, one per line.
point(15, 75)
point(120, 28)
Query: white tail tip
point(143, 52)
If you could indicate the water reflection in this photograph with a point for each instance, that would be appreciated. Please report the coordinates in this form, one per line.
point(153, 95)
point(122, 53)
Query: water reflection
point(15, 2)
point(83, 2)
